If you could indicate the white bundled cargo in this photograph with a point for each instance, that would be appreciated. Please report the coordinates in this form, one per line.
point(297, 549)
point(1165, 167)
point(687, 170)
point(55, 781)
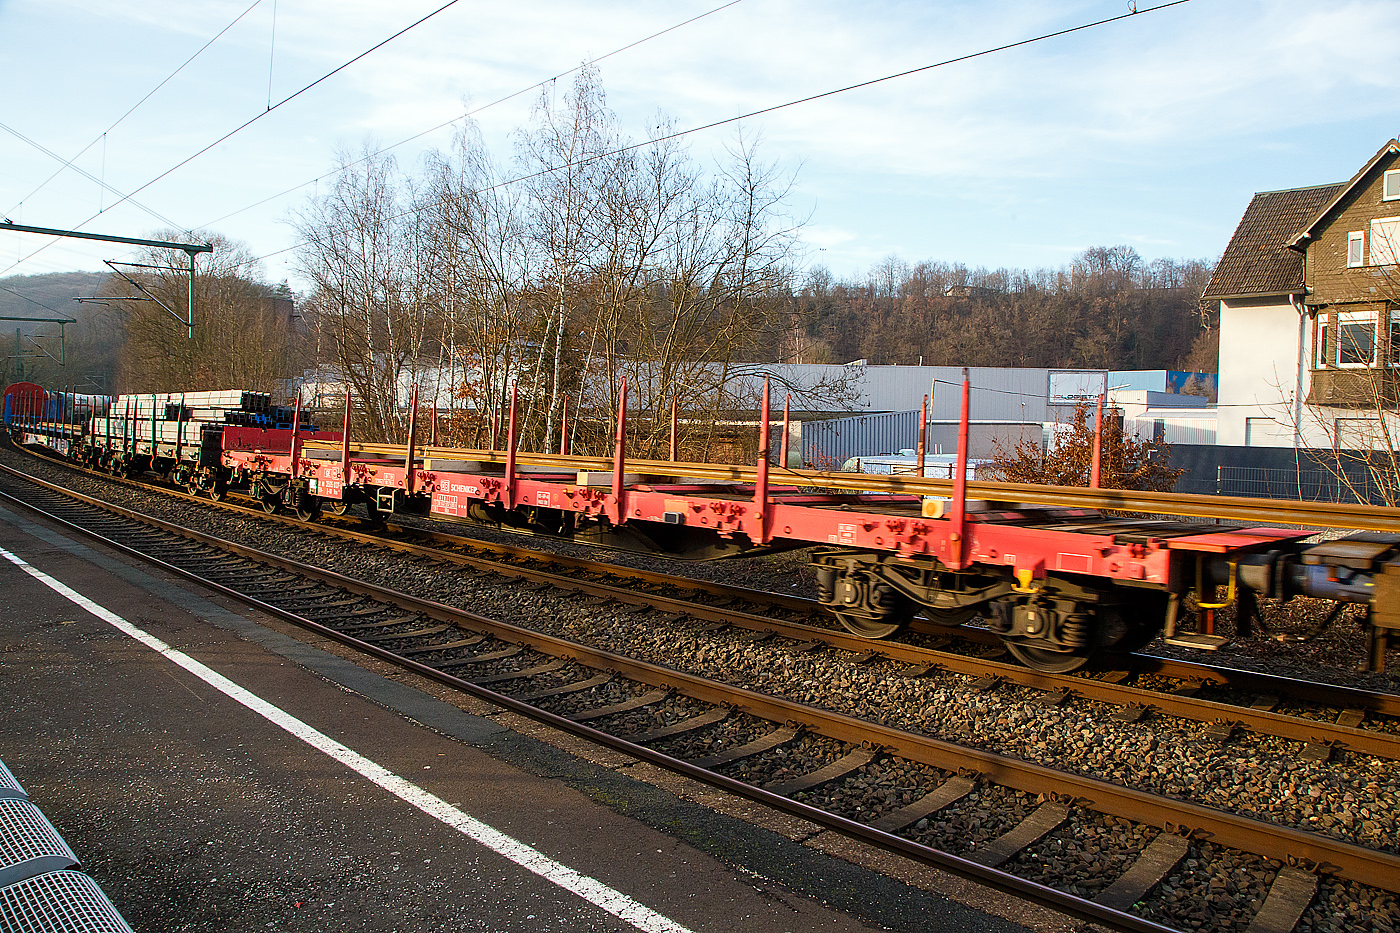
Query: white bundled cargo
point(220, 401)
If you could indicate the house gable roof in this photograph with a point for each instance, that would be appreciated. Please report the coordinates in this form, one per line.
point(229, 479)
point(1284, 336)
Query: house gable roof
point(1258, 260)
point(1309, 229)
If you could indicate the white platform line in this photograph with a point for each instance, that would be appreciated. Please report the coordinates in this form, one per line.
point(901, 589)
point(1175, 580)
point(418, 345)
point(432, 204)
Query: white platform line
point(590, 889)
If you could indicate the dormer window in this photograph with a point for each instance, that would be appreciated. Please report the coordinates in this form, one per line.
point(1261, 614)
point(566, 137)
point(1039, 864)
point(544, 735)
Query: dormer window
point(1390, 186)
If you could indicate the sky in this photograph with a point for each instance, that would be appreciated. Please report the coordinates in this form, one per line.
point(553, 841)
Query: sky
point(1151, 131)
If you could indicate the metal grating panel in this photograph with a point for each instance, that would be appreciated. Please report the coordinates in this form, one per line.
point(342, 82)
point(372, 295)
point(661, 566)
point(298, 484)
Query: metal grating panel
point(29, 844)
point(58, 902)
point(9, 784)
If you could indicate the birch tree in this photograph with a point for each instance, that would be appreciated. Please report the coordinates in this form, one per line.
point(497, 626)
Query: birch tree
point(243, 337)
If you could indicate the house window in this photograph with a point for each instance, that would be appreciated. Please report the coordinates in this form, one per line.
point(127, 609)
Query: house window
point(1356, 249)
point(1385, 241)
point(1356, 339)
point(1390, 186)
point(1259, 431)
point(1359, 434)
point(1324, 357)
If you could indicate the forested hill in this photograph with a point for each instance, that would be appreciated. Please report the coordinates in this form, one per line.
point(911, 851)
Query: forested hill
point(1107, 309)
point(48, 295)
point(90, 346)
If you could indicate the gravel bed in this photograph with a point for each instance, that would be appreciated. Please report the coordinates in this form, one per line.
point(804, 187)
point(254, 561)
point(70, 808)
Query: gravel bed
point(672, 710)
point(1210, 889)
point(803, 756)
point(1356, 798)
point(736, 730)
point(1085, 855)
point(983, 815)
point(568, 674)
point(884, 785)
point(605, 694)
point(1346, 907)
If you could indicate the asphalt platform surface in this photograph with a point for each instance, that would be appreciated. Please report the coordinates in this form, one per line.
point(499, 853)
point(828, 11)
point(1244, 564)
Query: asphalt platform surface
point(194, 811)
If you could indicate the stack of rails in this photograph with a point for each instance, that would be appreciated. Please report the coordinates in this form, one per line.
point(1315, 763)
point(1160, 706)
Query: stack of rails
point(179, 425)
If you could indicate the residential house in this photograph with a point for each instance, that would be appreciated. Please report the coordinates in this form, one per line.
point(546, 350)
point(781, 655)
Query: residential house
point(1309, 328)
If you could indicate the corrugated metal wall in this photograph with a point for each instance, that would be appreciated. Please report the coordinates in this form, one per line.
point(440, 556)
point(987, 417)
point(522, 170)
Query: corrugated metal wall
point(998, 394)
point(826, 445)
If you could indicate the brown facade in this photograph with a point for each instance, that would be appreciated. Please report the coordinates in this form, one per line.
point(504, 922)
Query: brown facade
point(1353, 290)
point(1329, 278)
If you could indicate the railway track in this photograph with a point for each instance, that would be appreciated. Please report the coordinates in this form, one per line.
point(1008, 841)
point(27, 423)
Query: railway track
point(1327, 720)
point(798, 752)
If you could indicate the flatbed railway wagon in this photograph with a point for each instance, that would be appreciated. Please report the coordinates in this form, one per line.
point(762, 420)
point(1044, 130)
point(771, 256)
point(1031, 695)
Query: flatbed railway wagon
point(181, 436)
point(1058, 574)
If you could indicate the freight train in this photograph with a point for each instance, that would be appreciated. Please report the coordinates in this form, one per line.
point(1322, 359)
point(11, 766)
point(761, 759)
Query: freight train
point(1058, 584)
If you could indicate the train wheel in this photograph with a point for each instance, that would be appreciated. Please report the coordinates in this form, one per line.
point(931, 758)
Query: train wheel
point(872, 627)
point(372, 514)
point(308, 507)
point(334, 506)
point(1048, 661)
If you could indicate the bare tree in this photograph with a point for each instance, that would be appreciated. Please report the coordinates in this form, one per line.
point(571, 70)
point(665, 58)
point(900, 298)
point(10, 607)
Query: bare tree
point(572, 159)
point(481, 284)
point(243, 336)
point(367, 261)
point(604, 260)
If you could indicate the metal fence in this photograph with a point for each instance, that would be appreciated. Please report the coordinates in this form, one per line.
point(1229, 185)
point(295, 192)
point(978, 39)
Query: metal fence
point(1353, 484)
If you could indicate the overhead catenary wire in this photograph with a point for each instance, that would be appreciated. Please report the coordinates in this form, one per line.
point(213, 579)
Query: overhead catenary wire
point(472, 112)
point(773, 108)
point(166, 80)
point(251, 121)
point(295, 94)
point(101, 183)
point(32, 301)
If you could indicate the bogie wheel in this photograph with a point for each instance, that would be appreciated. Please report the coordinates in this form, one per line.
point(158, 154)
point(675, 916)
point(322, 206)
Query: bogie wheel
point(271, 502)
point(308, 507)
point(334, 506)
point(1140, 621)
point(1046, 660)
point(867, 627)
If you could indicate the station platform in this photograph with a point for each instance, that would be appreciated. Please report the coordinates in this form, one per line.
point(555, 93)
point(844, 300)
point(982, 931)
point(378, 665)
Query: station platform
point(215, 769)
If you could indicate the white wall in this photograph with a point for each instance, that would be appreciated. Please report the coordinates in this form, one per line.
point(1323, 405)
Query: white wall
point(1258, 369)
